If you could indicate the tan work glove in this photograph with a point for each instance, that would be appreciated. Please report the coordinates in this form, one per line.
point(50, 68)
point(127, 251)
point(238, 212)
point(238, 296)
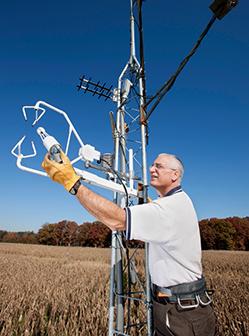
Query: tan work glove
point(62, 173)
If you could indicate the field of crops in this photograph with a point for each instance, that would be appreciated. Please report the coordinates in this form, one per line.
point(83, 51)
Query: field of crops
point(65, 290)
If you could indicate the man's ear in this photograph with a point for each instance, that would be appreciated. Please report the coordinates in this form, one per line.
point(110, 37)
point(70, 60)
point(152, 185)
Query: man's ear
point(175, 175)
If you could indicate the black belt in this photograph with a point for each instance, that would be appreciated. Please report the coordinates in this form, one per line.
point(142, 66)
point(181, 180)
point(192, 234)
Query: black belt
point(186, 294)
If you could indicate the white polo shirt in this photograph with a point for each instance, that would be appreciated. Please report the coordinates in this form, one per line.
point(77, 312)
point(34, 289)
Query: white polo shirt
point(170, 225)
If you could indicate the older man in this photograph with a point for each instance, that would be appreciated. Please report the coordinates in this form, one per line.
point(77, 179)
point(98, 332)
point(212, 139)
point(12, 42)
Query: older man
point(181, 304)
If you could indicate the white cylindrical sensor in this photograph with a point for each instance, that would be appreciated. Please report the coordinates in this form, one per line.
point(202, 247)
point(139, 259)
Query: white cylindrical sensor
point(51, 144)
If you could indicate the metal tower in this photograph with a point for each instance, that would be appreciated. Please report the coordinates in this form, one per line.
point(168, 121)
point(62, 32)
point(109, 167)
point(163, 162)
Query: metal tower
point(129, 132)
point(129, 129)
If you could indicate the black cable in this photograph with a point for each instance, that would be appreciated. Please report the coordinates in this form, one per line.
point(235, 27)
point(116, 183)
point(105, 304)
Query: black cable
point(122, 149)
point(168, 85)
point(126, 245)
point(141, 49)
point(120, 180)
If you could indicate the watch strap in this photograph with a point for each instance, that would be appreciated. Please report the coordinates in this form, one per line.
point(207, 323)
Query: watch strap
point(75, 187)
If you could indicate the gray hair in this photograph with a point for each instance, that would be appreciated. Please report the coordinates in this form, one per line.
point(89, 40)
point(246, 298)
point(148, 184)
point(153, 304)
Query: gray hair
point(175, 163)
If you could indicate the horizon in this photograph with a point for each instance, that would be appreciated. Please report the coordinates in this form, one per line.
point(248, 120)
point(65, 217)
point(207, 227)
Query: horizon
point(95, 220)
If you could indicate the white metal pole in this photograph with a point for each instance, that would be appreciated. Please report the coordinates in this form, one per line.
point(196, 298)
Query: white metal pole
point(145, 181)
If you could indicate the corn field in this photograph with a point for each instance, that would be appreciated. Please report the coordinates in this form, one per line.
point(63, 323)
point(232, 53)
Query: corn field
point(64, 291)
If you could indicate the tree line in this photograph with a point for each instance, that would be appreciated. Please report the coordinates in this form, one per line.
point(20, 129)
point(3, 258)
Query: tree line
point(230, 233)
point(63, 233)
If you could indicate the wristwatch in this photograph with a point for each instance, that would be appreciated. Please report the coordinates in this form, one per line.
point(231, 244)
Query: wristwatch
point(75, 188)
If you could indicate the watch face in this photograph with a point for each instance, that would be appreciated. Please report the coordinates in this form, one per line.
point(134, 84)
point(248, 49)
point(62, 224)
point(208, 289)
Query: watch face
point(75, 188)
point(72, 191)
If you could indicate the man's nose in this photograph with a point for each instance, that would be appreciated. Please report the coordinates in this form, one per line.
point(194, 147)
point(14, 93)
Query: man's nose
point(152, 169)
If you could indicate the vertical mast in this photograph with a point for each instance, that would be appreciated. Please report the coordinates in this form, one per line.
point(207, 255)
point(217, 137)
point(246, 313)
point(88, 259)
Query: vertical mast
point(130, 130)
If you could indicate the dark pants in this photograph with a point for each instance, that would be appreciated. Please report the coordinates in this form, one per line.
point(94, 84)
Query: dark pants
point(171, 320)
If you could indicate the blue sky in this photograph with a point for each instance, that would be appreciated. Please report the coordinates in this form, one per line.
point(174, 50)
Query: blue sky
point(46, 46)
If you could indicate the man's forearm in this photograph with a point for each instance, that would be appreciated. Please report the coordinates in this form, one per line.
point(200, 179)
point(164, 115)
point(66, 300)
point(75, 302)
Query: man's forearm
point(104, 210)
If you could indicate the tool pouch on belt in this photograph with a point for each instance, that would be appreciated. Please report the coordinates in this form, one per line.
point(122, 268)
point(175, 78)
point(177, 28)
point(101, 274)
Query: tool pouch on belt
point(187, 295)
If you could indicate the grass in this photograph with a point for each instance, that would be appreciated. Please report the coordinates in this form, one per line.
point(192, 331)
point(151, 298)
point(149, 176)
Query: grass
point(65, 290)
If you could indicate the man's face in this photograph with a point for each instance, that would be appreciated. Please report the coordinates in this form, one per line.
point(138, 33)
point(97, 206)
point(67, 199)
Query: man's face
point(162, 174)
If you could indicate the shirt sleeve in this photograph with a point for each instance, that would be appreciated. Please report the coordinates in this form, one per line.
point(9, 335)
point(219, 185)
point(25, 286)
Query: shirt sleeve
point(149, 222)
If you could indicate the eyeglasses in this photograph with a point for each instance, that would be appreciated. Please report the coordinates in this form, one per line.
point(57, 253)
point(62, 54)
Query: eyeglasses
point(160, 166)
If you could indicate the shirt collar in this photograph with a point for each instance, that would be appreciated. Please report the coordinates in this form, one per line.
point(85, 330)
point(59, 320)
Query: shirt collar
point(174, 191)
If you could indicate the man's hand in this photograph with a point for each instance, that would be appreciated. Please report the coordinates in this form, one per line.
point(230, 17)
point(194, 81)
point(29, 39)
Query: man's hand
point(62, 173)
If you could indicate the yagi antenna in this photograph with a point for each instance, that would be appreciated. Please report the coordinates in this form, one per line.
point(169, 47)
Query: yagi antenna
point(100, 90)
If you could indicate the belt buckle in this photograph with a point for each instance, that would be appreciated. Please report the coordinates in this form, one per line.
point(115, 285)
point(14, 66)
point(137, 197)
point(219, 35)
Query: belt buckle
point(188, 305)
point(162, 295)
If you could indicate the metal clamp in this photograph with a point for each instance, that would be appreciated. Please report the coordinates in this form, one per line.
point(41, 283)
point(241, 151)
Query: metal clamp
point(189, 306)
point(205, 303)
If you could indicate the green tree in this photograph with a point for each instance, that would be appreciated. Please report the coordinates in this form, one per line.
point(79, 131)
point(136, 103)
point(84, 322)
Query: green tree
point(207, 233)
point(217, 234)
point(47, 235)
point(224, 235)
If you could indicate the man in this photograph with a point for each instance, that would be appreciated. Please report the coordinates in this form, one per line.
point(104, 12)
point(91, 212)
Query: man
point(181, 304)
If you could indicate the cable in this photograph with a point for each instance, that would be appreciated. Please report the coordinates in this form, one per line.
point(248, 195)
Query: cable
point(120, 180)
point(168, 85)
point(126, 244)
point(122, 149)
point(128, 258)
point(141, 50)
